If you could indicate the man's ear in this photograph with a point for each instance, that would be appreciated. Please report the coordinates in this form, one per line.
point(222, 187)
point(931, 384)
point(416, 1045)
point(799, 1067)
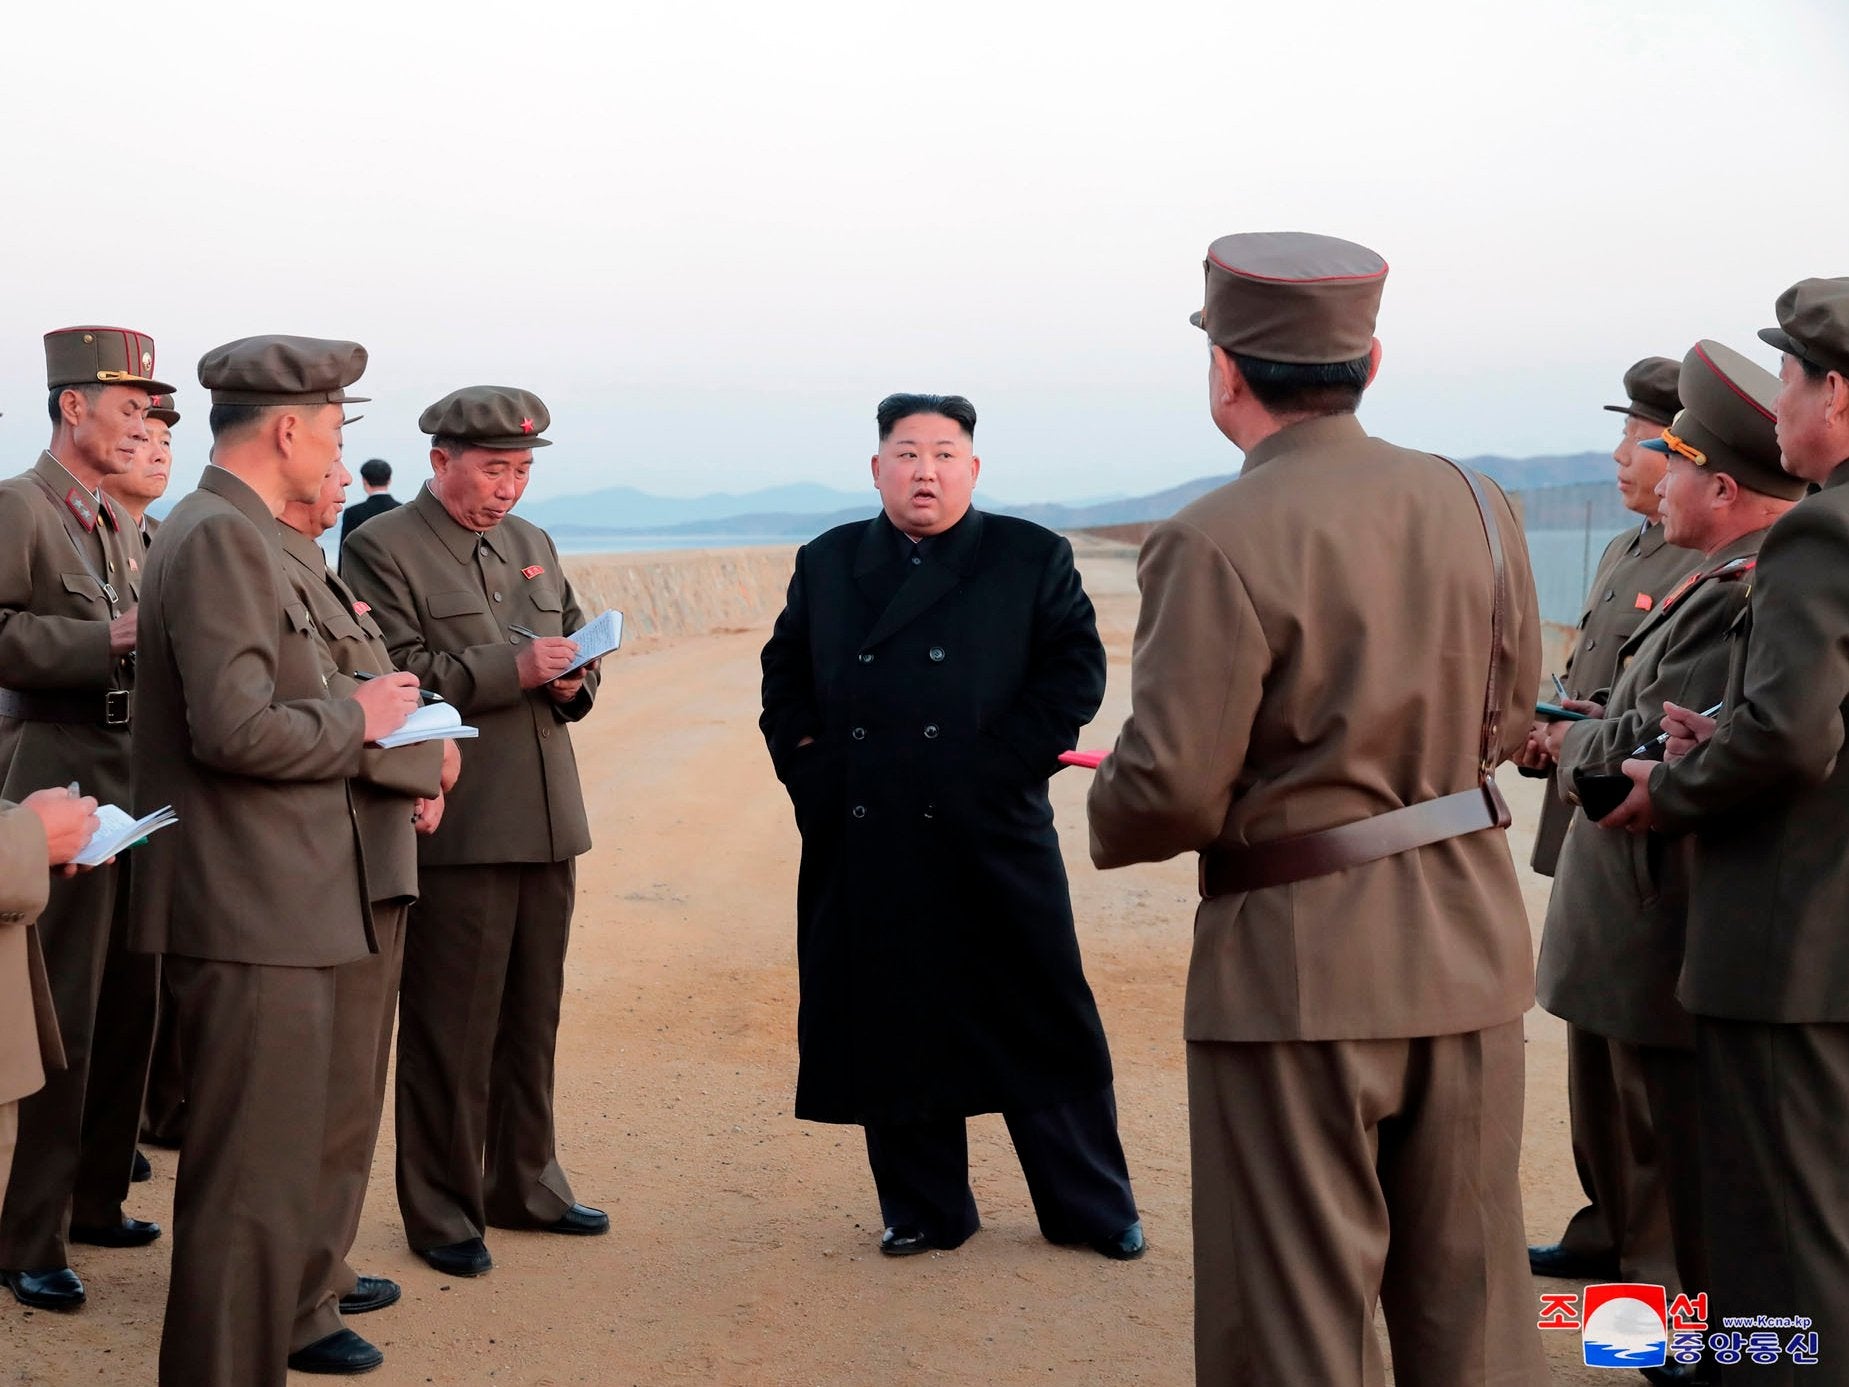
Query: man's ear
point(1228, 383)
point(975, 468)
point(72, 406)
point(1837, 410)
point(876, 471)
point(1726, 489)
point(1373, 360)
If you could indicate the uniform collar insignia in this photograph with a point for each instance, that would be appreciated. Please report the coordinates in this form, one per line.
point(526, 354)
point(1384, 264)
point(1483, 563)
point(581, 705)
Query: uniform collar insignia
point(79, 504)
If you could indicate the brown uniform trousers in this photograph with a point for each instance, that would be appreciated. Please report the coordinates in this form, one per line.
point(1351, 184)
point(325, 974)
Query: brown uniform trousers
point(1612, 949)
point(254, 901)
point(1625, 1219)
point(1766, 969)
point(1311, 651)
point(485, 944)
point(29, 1042)
point(366, 990)
point(65, 553)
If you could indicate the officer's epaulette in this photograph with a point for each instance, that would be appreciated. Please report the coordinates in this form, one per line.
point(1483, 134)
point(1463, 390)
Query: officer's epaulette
point(1735, 569)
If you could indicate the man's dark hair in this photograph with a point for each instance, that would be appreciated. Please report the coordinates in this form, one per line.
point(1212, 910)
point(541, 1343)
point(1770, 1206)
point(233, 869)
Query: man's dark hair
point(90, 391)
point(1292, 388)
point(1813, 373)
point(226, 421)
point(953, 407)
point(376, 472)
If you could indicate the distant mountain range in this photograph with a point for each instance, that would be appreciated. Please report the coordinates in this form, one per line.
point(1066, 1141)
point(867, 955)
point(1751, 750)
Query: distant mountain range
point(804, 509)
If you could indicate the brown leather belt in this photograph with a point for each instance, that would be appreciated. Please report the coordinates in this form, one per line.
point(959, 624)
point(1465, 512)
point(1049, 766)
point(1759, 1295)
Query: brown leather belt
point(100, 708)
point(1226, 870)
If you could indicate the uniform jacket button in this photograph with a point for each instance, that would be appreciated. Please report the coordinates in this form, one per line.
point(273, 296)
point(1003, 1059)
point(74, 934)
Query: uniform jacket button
point(859, 734)
point(937, 653)
point(866, 657)
point(860, 811)
point(930, 729)
point(1610, 595)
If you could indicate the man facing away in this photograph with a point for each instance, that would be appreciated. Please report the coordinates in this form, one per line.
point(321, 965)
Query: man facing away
point(1623, 1228)
point(1333, 653)
point(258, 897)
point(67, 637)
point(376, 478)
point(473, 600)
point(929, 667)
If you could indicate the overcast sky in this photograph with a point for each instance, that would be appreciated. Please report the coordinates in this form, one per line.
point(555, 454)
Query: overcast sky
point(711, 236)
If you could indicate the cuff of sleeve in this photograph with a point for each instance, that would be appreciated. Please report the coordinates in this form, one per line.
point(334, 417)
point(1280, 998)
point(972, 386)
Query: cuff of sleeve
point(497, 677)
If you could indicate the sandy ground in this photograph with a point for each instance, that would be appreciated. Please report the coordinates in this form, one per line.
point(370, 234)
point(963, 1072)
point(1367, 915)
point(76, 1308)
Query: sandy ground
point(744, 1242)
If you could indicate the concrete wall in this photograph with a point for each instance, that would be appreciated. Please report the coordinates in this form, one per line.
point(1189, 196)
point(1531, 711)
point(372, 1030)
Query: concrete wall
point(692, 592)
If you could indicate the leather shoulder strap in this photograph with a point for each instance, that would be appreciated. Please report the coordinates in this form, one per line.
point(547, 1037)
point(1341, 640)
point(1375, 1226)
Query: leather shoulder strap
point(1489, 740)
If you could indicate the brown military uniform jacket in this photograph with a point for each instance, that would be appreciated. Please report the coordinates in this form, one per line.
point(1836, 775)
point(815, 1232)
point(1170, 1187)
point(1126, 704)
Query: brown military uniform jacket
point(55, 609)
point(1312, 650)
point(237, 731)
point(1767, 798)
point(1635, 573)
point(445, 597)
point(1612, 950)
point(28, 1026)
point(390, 780)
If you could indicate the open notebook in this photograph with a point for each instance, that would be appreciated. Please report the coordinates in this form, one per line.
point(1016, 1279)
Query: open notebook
point(116, 832)
point(432, 722)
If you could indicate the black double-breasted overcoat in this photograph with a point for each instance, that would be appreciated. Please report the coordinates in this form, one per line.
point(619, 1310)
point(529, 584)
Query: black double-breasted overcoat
point(940, 972)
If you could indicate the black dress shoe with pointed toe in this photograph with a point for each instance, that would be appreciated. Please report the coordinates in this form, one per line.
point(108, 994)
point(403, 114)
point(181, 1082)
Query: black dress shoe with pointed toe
point(905, 1241)
point(1556, 1260)
point(129, 1232)
point(582, 1220)
point(369, 1294)
point(45, 1290)
point(141, 1172)
point(1126, 1246)
point(467, 1258)
point(342, 1352)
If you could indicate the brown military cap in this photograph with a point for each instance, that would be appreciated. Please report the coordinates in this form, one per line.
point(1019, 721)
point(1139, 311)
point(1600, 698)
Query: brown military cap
point(101, 356)
point(1291, 296)
point(281, 370)
point(163, 410)
point(1651, 386)
point(1726, 422)
point(489, 416)
point(1813, 323)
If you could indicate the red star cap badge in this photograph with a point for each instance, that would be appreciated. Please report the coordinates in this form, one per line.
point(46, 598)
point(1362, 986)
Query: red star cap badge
point(526, 426)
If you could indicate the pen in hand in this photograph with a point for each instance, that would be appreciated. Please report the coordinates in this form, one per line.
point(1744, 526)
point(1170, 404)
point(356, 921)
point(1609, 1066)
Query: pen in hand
point(427, 695)
point(73, 791)
point(1559, 687)
point(1662, 738)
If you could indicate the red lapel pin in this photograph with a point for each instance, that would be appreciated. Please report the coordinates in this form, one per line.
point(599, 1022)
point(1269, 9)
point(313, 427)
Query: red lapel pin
point(531, 571)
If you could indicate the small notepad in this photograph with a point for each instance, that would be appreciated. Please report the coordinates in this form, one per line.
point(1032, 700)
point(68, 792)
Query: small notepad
point(116, 832)
point(597, 639)
point(430, 723)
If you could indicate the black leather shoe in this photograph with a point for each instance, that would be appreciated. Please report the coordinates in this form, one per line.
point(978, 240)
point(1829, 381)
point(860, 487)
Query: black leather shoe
point(905, 1241)
point(130, 1232)
point(1126, 1246)
point(341, 1352)
point(372, 1293)
point(468, 1258)
point(141, 1172)
point(581, 1219)
point(45, 1290)
point(1551, 1259)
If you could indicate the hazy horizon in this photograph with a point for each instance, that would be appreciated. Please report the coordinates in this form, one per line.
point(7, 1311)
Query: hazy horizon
point(711, 236)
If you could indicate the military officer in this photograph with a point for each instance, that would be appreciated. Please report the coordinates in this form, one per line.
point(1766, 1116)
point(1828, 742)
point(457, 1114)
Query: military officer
point(1623, 1228)
point(259, 898)
point(1334, 652)
point(1612, 949)
point(1765, 800)
point(47, 830)
point(397, 794)
point(126, 1005)
point(473, 600)
point(67, 633)
point(927, 671)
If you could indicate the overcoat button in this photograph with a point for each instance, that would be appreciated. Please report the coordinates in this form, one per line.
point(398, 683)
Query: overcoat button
point(937, 653)
point(860, 811)
point(930, 729)
point(497, 597)
point(916, 559)
point(859, 734)
point(866, 657)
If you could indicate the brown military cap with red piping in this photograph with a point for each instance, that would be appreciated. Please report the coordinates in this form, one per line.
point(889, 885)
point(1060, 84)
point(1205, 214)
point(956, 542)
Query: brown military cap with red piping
point(1813, 323)
point(1291, 296)
point(1726, 423)
point(1650, 386)
point(101, 356)
point(162, 409)
point(281, 370)
point(502, 417)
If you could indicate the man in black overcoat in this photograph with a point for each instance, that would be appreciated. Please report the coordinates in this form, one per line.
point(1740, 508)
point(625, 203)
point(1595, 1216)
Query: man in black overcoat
point(927, 671)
